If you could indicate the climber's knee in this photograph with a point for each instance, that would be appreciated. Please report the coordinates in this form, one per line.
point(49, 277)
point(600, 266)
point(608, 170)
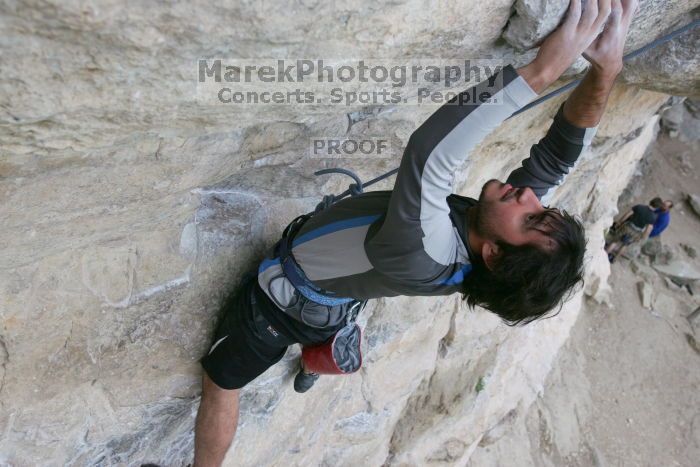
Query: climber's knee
point(211, 390)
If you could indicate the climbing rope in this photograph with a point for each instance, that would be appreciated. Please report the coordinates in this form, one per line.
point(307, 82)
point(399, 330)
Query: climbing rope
point(358, 186)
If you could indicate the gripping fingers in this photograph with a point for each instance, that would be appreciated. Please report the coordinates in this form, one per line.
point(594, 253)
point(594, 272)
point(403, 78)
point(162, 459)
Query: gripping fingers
point(611, 29)
point(590, 13)
point(604, 7)
point(574, 13)
point(615, 13)
point(629, 7)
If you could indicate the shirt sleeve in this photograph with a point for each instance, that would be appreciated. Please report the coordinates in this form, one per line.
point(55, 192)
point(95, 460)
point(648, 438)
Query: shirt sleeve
point(418, 214)
point(552, 157)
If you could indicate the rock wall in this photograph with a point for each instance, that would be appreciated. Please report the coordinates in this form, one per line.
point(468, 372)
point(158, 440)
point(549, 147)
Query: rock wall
point(129, 209)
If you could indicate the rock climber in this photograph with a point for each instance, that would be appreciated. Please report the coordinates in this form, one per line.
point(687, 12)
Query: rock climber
point(662, 209)
point(505, 252)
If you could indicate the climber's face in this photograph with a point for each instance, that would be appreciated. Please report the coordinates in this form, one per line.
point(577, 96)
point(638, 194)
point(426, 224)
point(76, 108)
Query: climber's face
point(512, 215)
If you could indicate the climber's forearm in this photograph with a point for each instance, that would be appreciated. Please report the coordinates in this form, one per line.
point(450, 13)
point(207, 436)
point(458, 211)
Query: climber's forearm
point(586, 105)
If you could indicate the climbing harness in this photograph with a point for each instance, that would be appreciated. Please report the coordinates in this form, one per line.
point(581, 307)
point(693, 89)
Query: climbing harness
point(296, 275)
point(342, 353)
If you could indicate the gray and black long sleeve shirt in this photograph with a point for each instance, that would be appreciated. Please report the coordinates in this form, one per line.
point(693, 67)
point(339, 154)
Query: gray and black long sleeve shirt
point(412, 240)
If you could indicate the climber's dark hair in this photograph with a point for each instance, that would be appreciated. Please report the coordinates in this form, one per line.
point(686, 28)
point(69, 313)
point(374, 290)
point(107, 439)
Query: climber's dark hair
point(527, 281)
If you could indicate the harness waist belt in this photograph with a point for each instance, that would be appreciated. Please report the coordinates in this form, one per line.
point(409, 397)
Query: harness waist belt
point(296, 275)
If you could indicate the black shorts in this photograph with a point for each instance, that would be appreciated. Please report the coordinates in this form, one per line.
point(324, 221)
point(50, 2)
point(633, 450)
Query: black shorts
point(245, 344)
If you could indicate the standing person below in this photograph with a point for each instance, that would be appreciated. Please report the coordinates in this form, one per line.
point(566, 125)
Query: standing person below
point(634, 226)
point(662, 209)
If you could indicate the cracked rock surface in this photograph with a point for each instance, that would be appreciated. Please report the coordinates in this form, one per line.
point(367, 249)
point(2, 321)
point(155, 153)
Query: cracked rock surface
point(129, 209)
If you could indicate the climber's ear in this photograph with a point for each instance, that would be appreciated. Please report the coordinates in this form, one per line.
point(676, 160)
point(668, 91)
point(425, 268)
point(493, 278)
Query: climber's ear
point(489, 253)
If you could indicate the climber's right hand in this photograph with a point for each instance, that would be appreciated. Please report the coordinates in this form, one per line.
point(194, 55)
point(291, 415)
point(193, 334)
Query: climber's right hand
point(606, 51)
point(564, 45)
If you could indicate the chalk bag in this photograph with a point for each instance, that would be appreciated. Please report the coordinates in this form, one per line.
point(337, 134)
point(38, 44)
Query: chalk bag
point(341, 355)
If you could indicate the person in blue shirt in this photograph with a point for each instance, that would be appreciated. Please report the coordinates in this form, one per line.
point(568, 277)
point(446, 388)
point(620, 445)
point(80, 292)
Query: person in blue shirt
point(635, 226)
point(662, 209)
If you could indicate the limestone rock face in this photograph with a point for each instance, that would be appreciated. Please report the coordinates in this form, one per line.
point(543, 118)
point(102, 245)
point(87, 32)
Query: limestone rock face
point(673, 67)
point(129, 209)
point(533, 20)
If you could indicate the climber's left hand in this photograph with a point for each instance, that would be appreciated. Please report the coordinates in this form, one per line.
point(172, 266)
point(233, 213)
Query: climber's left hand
point(605, 52)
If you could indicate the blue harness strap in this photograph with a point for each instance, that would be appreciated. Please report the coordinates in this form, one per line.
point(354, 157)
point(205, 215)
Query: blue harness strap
point(296, 275)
